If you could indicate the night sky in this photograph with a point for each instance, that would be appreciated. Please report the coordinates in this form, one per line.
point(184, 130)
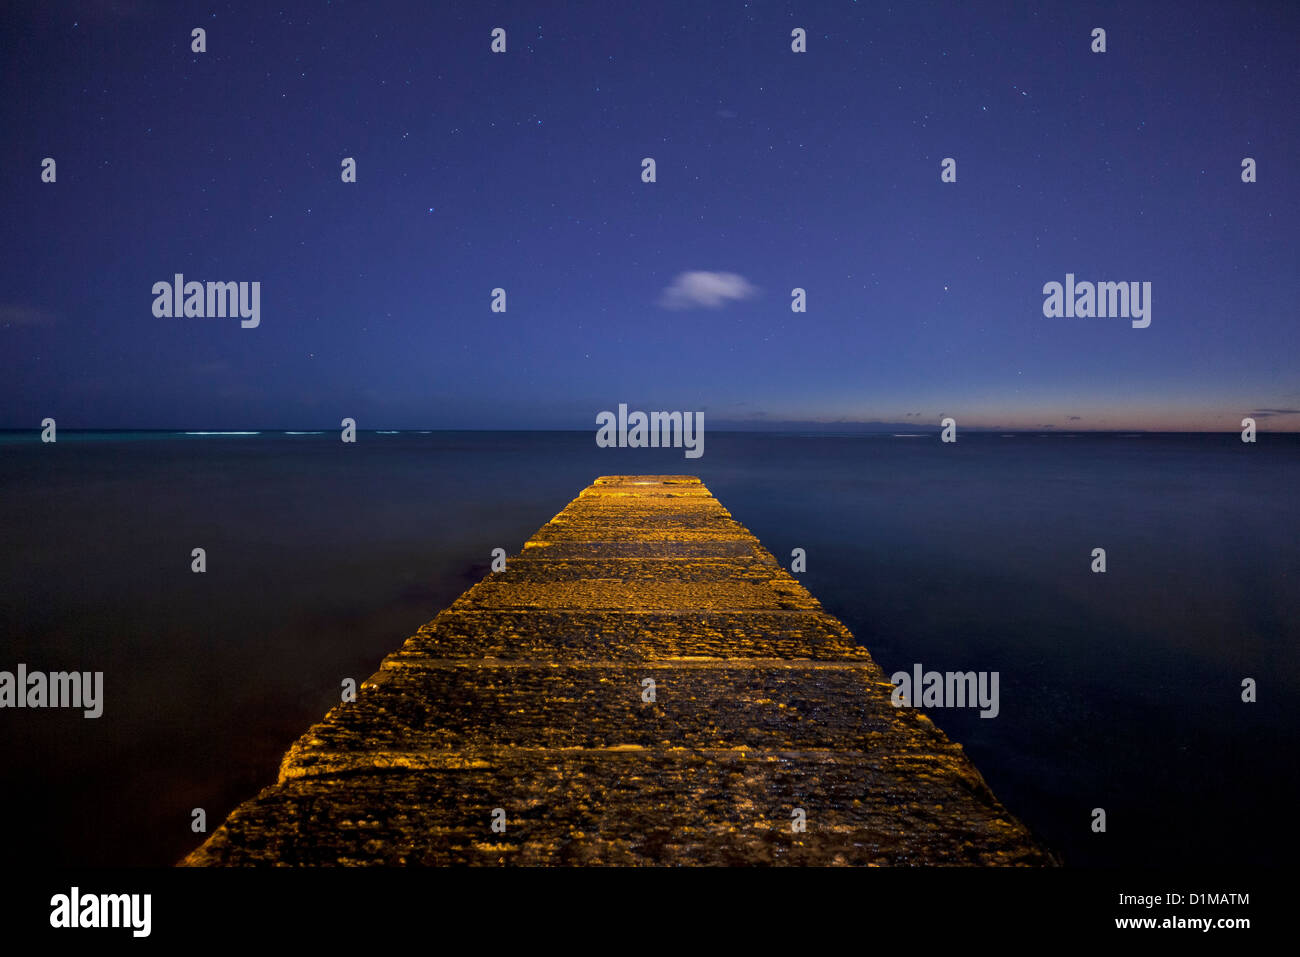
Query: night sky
point(522, 170)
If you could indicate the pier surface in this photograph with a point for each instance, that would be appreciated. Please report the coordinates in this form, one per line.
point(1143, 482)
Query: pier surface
point(525, 702)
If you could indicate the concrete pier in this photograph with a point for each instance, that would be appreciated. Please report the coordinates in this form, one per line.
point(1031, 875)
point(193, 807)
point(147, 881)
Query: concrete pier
point(525, 703)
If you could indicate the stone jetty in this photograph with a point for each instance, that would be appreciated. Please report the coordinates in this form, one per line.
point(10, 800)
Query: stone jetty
point(643, 684)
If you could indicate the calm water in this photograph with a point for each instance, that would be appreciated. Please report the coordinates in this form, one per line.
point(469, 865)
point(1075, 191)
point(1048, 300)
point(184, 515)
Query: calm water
point(1119, 691)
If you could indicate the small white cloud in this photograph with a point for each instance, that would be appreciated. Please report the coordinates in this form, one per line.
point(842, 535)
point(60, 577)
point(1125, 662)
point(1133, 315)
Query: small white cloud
point(711, 290)
point(16, 315)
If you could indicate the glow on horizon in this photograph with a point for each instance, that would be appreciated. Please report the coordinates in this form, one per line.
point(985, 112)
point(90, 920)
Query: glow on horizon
point(1056, 416)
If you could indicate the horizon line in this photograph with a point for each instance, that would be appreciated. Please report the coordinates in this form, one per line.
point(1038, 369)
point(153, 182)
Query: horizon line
point(911, 430)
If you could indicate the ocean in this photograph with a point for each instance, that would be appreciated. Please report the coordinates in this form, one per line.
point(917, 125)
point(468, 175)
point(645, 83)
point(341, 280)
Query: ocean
point(1119, 691)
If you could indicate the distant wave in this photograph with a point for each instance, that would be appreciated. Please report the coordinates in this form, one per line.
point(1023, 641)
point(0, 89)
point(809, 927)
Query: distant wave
point(221, 433)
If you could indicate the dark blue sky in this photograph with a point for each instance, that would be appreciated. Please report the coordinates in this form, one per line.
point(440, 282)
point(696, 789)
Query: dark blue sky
point(523, 171)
